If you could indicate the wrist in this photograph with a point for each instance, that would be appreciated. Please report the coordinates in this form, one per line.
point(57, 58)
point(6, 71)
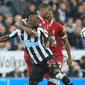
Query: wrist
point(69, 58)
point(54, 42)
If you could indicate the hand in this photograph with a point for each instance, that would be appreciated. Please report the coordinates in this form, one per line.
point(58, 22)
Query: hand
point(47, 43)
point(54, 44)
point(33, 33)
point(19, 24)
point(69, 61)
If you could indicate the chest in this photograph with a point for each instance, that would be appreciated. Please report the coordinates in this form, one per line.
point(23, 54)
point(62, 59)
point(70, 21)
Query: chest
point(29, 41)
point(44, 25)
point(53, 30)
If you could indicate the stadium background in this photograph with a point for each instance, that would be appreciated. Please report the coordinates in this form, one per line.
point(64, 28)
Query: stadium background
point(70, 13)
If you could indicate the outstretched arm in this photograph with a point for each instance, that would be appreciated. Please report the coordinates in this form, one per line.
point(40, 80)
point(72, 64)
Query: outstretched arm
point(11, 35)
point(67, 47)
point(21, 26)
point(4, 38)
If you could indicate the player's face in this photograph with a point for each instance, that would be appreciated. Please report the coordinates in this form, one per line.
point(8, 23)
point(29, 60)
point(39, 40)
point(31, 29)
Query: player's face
point(33, 21)
point(48, 13)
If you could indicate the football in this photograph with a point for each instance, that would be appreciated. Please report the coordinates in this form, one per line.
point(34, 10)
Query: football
point(83, 33)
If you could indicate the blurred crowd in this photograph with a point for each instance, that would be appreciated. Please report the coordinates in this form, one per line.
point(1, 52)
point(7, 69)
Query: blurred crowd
point(77, 69)
point(70, 13)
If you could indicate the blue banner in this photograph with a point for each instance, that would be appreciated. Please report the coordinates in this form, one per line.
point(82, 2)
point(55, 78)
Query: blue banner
point(24, 81)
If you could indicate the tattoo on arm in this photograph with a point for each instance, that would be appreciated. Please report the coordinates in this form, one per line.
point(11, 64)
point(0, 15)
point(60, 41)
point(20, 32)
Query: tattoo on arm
point(50, 39)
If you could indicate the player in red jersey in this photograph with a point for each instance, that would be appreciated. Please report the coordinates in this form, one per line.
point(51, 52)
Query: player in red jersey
point(58, 32)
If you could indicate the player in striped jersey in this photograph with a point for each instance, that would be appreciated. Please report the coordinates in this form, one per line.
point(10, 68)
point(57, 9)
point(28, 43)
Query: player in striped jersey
point(49, 63)
point(33, 43)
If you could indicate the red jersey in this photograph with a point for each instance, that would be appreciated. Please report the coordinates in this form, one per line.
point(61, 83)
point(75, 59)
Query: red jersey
point(43, 23)
point(57, 30)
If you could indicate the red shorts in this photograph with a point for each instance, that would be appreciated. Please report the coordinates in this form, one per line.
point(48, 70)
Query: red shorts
point(28, 61)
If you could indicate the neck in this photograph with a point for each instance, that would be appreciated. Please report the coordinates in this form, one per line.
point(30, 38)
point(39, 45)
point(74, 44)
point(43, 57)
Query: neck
point(41, 15)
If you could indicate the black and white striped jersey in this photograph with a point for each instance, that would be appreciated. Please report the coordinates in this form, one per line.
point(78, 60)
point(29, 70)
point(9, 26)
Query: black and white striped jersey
point(34, 46)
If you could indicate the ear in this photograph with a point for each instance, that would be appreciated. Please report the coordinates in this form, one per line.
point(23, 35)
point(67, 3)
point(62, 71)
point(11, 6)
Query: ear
point(42, 9)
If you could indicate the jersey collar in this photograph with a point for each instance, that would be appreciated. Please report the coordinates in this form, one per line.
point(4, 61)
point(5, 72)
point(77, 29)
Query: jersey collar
point(41, 19)
point(51, 22)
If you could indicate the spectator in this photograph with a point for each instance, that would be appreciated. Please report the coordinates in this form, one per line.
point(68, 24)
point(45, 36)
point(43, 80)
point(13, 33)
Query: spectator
point(8, 46)
point(78, 23)
point(3, 30)
point(1, 18)
point(38, 2)
point(80, 1)
point(54, 5)
point(70, 28)
point(31, 7)
point(70, 25)
point(83, 5)
point(83, 15)
point(81, 63)
point(8, 22)
point(62, 13)
point(16, 73)
point(80, 13)
point(73, 9)
point(2, 47)
point(67, 4)
point(19, 7)
point(74, 70)
point(77, 39)
point(6, 10)
point(20, 46)
point(17, 18)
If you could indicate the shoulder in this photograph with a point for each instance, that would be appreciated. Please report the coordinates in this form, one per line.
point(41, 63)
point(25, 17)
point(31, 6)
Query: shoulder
point(17, 30)
point(58, 24)
point(40, 28)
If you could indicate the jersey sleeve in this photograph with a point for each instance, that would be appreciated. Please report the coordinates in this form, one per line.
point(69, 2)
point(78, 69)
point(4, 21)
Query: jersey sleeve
point(62, 31)
point(44, 33)
point(13, 34)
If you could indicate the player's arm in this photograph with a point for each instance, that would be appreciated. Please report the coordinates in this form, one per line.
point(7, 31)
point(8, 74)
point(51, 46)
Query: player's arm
point(66, 43)
point(67, 47)
point(52, 41)
point(7, 37)
point(4, 38)
point(49, 38)
point(21, 26)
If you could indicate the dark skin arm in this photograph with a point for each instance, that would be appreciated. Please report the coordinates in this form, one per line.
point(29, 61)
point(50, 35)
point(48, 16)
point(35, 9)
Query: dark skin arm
point(52, 41)
point(67, 47)
point(21, 26)
point(4, 38)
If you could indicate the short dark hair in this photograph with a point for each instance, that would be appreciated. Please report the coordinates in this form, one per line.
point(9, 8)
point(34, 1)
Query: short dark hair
point(83, 57)
point(32, 13)
point(32, 3)
point(43, 6)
